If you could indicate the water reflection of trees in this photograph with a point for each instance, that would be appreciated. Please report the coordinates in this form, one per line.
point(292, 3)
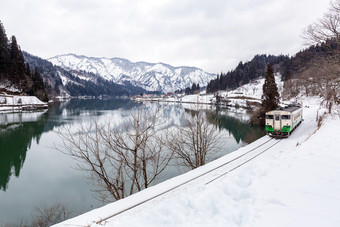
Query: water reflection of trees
point(242, 131)
point(16, 137)
point(75, 107)
point(15, 140)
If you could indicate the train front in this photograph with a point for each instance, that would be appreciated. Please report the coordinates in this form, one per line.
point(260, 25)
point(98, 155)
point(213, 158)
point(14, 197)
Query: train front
point(278, 124)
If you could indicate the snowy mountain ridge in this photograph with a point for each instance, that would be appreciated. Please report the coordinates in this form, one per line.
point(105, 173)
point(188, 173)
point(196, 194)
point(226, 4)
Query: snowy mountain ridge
point(150, 76)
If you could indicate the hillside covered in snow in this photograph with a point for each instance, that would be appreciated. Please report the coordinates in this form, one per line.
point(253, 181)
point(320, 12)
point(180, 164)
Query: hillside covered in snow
point(63, 83)
point(150, 76)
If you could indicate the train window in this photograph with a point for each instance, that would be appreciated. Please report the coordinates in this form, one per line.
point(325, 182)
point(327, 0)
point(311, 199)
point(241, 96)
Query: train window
point(277, 118)
point(285, 117)
point(271, 117)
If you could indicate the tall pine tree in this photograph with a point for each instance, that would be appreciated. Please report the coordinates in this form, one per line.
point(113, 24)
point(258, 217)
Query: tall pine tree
point(38, 86)
point(4, 52)
point(270, 97)
point(18, 68)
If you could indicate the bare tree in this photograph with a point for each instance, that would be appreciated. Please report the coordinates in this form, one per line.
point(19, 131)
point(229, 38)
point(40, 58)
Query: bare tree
point(291, 88)
point(196, 142)
point(48, 216)
point(326, 28)
point(120, 160)
point(141, 148)
point(322, 76)
point(86, 145)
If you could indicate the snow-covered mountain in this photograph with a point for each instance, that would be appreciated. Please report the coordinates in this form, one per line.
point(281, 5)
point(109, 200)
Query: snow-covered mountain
point(72, 83)
point(150, 76)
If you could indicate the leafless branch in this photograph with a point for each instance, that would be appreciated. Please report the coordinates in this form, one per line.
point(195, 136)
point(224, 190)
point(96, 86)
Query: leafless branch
point(326, 28)
point(120, 160)
point(195, 142)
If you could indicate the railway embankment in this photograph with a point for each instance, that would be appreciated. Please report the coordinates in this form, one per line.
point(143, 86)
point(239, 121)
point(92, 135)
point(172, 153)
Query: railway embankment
point(294, 180)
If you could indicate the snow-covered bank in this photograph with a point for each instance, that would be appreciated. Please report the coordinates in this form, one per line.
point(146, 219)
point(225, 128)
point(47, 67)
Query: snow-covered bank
point(295, 183)
point(247, 96)
point(10, 103)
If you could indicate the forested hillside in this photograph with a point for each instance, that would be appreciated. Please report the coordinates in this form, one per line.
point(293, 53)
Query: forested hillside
point(291, 68)
point(16, 76)
point(67, 83)
point(153, 77)
point(245, 72)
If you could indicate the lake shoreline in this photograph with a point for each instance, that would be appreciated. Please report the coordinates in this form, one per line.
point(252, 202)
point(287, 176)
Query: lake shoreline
point(18, 103)
point(248, 103)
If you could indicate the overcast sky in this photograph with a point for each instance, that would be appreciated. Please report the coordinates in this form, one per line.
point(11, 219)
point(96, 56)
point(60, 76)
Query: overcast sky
point(210, 34)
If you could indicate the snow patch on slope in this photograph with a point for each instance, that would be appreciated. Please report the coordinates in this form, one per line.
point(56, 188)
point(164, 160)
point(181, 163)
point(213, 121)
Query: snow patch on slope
point(150, 76)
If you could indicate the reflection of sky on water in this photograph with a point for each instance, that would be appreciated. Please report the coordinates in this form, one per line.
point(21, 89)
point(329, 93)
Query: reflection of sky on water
point(10, 118)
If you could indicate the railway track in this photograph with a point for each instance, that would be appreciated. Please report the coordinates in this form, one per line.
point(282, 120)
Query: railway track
point(231, 164)
point(232, 168)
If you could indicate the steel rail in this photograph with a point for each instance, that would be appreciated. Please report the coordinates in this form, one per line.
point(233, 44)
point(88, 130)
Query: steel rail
point(248, 160)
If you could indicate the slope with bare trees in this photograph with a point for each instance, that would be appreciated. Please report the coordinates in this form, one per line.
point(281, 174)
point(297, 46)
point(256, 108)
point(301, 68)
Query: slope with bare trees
point(320, 75)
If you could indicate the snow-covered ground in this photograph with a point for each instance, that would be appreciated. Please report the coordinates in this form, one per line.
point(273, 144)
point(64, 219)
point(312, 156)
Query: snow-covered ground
point(294, 183)
point(18, 103)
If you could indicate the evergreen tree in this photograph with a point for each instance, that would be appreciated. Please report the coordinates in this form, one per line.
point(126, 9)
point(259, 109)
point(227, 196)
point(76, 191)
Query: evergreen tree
point(38, 86)
point(193, 87)
point(28, 70)
point(270, 97)
point(4, 54)
point(18, 68)
point(187, 91)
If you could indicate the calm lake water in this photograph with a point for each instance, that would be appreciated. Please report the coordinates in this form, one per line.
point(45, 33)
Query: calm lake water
point(35, 175)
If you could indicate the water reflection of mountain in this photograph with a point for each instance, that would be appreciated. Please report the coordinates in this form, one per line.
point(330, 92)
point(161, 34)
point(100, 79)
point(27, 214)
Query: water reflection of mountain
point(18, 130)
point(77, 106)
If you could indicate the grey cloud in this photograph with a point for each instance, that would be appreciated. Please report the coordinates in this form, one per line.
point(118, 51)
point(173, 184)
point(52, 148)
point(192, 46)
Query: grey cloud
point(213, 35)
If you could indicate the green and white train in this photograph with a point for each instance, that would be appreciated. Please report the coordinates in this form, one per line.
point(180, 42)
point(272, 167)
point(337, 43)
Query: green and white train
point(283, 121)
